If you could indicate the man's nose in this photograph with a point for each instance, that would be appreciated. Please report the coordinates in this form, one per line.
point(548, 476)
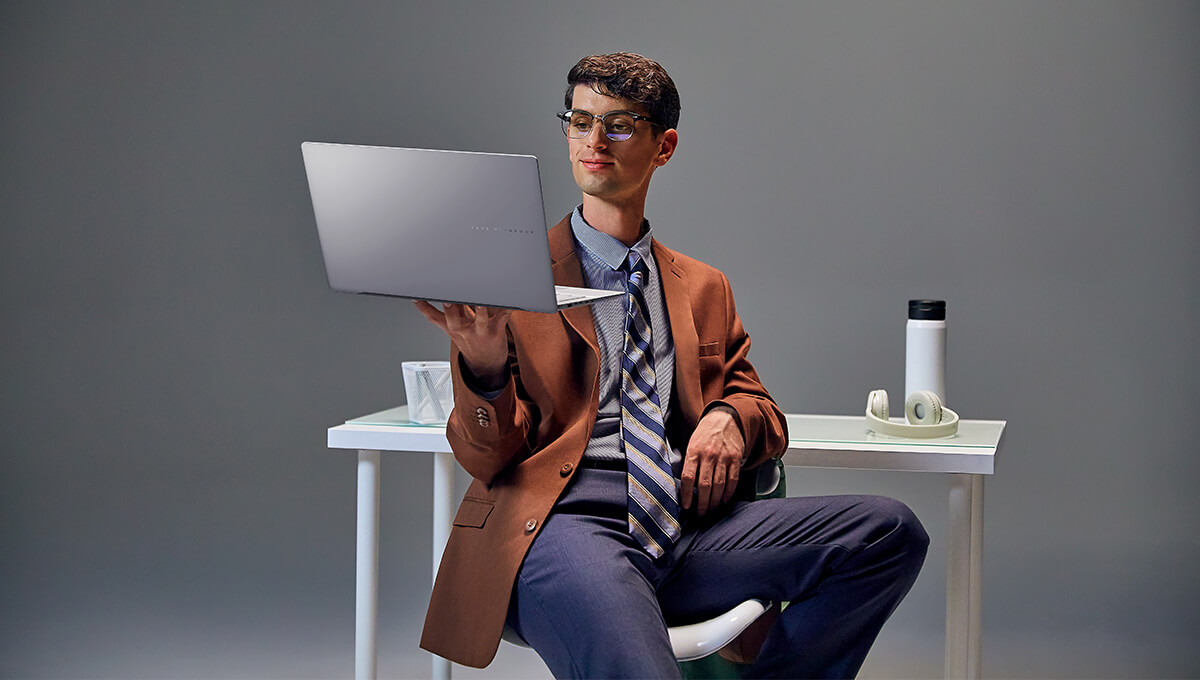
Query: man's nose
point(596, 137)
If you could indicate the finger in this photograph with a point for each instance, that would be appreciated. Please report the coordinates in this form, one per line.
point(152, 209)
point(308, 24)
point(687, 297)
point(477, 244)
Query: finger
point(427, 309)
point(688, 479)
point(486, 318)
point(432, 313)
point(500, 317)
point(491, 316)
point(459, 317)
point(718, 484)
point(731, 481)
point(704, 485)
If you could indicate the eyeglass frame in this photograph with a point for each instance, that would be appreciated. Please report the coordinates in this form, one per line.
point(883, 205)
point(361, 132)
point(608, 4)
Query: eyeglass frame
point(565, 117)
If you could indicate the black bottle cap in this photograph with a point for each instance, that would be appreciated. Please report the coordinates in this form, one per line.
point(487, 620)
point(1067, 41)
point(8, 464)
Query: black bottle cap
point(933, 310)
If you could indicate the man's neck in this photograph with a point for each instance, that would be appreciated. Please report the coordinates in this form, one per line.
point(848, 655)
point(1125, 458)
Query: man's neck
point(622, 222)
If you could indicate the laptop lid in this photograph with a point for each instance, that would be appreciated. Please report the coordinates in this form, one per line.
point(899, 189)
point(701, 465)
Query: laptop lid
point(446, 226)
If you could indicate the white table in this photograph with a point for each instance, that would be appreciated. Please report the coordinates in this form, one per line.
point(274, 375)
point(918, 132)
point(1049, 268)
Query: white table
point(815, 441)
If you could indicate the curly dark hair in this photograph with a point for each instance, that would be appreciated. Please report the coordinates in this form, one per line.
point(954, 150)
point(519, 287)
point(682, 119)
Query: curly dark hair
point(629, 76)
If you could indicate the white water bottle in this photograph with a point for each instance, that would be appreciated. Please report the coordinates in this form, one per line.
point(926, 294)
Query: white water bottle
point(925, 348)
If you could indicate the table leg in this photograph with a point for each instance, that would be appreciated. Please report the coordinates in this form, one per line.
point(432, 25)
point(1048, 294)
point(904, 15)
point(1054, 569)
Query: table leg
point(443, 516)
point(366, 586)
point(964, 584)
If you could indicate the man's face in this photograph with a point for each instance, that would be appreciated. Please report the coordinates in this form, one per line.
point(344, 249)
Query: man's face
point(616, 171)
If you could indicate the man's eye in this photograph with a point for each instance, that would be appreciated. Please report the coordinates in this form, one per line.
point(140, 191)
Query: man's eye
point(620, 127)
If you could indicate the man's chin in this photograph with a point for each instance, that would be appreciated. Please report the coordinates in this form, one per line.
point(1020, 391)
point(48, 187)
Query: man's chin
point(592, 187)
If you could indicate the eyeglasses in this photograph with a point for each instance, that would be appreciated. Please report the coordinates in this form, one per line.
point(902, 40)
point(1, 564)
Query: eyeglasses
point(618, 125)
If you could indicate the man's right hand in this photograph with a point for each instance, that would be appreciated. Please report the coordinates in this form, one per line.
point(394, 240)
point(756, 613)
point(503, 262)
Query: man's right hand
point(479, 333)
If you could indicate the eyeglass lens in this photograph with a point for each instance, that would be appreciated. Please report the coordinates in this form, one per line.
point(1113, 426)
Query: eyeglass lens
point(618, 126)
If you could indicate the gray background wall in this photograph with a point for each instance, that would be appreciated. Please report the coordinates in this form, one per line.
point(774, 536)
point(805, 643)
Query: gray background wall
point(171, 355)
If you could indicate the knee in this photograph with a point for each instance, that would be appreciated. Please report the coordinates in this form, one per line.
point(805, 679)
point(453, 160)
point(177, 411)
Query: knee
point(905, 533)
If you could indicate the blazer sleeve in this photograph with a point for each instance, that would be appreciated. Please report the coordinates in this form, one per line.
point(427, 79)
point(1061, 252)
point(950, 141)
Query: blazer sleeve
point(762, 422)
point(485, 435)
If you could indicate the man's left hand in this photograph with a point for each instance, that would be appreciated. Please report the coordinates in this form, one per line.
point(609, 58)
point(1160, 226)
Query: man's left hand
point(713, 461)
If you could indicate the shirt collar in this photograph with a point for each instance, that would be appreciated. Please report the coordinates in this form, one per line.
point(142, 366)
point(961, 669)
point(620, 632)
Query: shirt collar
point(605, 248)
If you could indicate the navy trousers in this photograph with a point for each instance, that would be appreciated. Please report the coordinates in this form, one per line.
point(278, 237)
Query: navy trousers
point(593, 604)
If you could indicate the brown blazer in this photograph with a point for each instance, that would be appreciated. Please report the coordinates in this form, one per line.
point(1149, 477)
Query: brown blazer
point(523, 448)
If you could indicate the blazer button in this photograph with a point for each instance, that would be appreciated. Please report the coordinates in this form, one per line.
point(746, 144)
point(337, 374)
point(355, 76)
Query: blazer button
point(481, 412)
point(566, 469)
point(484, 422)
point(530, 526)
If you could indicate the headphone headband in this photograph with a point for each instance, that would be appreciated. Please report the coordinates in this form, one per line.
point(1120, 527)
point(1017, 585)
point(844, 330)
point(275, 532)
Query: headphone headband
point(924, 410)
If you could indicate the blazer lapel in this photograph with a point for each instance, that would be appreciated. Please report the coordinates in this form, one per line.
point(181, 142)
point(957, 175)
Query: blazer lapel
point(683, 333)
point(569, 272)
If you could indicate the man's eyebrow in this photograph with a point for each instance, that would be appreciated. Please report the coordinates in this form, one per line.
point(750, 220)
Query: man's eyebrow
point(609, 111)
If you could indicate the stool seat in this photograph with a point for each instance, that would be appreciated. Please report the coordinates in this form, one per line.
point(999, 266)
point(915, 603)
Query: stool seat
point(698, 640)
point(694, 640)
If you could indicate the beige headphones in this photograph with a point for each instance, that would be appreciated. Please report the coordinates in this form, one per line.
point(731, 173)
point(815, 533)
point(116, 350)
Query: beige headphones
point(923, 410)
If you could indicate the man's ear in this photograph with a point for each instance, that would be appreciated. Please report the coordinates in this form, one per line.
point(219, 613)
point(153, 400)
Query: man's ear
point(666, 147)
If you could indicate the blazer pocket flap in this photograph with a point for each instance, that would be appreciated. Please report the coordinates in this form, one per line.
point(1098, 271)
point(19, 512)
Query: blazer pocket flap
point(473, 512)
point(710, 349)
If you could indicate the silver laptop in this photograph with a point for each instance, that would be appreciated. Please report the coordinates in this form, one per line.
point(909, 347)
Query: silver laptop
point(443, 226)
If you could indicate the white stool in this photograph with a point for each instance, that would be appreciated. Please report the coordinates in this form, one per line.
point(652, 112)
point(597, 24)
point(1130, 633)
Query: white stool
point(695, 640)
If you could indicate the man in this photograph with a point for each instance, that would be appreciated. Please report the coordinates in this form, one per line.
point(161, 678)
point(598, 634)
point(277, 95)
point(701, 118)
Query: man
point(606, 444)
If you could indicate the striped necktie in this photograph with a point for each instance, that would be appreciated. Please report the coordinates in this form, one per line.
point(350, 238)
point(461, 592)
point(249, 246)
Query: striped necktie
point(653, 504)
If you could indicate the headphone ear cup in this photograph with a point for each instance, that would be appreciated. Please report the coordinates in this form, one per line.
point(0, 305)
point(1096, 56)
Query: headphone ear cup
point(877, 404)
point(923, 408)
